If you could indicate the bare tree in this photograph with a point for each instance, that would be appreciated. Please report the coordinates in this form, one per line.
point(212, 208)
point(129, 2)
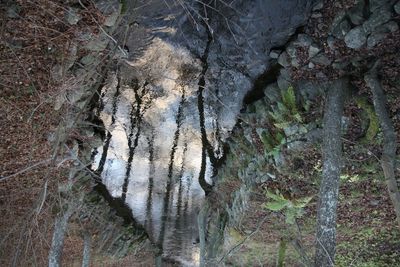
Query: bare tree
point(388, 160)
point(329, 189)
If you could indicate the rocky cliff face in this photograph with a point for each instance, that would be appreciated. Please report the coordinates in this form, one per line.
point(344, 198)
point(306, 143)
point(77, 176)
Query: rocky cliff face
point(171, 103)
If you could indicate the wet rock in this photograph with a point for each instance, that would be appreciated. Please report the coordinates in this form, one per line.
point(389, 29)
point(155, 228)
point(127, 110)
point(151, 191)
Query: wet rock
point(72, 16)
point(313, 50)
point(397, 7)
point(274, 54)
point(356, 14)
point(283, 60)
point(321, 59)
point(356, 38)
point(377, 18)
point(303, 40)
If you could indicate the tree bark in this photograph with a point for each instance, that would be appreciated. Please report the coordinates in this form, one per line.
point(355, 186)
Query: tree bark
point(87, 240)
point(57, 243)
point(388, 160)
point(329, 189)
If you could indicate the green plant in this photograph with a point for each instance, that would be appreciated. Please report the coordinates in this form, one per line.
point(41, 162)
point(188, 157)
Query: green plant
point(292, 208)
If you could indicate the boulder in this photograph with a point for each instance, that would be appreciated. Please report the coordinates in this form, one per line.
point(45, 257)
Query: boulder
point(340, 25)
point(356, 13)
point(356, 38)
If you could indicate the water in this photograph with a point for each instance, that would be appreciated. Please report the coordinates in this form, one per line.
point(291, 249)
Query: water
point(168, 108)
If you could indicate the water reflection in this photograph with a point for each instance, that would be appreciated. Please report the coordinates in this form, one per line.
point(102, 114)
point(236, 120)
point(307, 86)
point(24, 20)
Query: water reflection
point(157, 148)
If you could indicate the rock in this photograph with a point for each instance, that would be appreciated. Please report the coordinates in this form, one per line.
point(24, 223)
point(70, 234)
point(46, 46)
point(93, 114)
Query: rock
point(272, 92)
point(110, 9)
point(375, 38)
point(291, 50)
point(356, 38)
point(303, 40)
point(331, 42)
point(321, 76)
point(98, 44)
point(321, 59)
point(377, 18)
point(397, 7)
point(274, 54)
point(389, 27)
point(88, 60)
point(283, 60)
point(313, 51)
point(284, 80)
point(311, 65)
point(318, 6)
point(341, 30)
point(72, 16)
point(379, 4)
point(309, 89)
point(340, 64)
point(356, 13)
point(295, 62)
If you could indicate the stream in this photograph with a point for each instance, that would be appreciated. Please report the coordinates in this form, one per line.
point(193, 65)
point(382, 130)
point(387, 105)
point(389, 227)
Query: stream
point(169, 106)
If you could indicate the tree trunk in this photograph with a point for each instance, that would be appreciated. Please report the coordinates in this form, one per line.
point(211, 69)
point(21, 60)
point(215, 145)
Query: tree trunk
point(388, 160)
point(329, 189)
point(57, 243)
point(86, 249)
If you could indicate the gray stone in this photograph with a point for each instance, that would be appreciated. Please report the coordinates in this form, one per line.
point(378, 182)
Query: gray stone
point(375, 38)
point(284, 80)
point(389, 27)
point(356, 13)
point(311, 65)
point(98, 44)
point(274, 54)
point(321, 59)
point(272, 92)
point(331, 41)
point(313, 50)
point(377, 18)
point(111, 19)
point(356, 38)
point(303, 40)
point(309, 89)
point(88, 60)
point(379, 4)
point(291, 50)
point(72, 16)
point(397, 7)
point(341, 30)
point(283, 60)
point(321, 76)
point(295, 62)
point(340, 64)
